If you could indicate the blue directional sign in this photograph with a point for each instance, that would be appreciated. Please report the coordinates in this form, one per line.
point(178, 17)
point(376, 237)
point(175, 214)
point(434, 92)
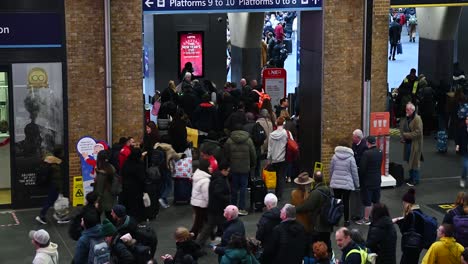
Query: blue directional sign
point(228, 6)
point(30, 30)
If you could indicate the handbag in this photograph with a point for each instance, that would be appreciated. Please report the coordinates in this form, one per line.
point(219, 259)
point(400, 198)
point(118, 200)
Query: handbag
point(292, 149)
point(411, 238)
point(269, 177)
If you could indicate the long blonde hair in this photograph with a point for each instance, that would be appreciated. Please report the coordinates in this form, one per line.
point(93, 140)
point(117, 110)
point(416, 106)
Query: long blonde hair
point(407, 208)
point(172, 85)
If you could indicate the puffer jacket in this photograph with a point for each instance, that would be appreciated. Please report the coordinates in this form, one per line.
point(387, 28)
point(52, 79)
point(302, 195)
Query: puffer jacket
point(287, 244)
point(56, 172)
point(47, 255)
point(201, 184)
point(343, 170)
point(267, 222)
point(277, 145)
point(382, 239)
point(238, 255)
point(239, 150)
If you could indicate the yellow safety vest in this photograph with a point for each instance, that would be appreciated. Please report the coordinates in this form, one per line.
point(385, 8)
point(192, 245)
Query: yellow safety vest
point(415, 85)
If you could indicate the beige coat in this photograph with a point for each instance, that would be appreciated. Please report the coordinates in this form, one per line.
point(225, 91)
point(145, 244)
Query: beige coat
point(413, 132)
point(268, 127)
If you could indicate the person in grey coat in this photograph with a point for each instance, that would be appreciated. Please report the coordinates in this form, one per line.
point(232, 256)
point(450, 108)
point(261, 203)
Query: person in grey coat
point(344, 175)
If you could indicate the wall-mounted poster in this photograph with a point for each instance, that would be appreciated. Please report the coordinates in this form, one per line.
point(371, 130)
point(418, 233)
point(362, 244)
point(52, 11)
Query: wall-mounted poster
point(191, 51)
point(88, 149)
point(38, 123)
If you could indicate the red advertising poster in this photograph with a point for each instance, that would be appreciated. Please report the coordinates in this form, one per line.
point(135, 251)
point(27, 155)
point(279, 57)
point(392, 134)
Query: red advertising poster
point(191, 50)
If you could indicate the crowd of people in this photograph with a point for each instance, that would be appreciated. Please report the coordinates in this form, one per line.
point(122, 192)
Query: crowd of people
point(243, 134)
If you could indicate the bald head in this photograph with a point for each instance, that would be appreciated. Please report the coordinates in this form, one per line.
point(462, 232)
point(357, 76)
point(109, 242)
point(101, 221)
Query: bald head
point(243, 82)
point(231, 212)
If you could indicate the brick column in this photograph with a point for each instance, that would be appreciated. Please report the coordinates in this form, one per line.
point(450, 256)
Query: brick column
point(379, 55)
point(127, 73)
point(85, 74)
point(342, 77)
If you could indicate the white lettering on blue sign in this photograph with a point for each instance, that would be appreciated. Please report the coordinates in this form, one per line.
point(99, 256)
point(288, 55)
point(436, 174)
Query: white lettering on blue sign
point(4, 30)
point(174, 6)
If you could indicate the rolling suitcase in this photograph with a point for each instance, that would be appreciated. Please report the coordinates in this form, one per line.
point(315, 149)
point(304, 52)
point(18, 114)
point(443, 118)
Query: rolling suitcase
point(182, 190)
point(288, 44)
point(355, 205)
point(441, 141)
point(398, 172)
point(257, 194)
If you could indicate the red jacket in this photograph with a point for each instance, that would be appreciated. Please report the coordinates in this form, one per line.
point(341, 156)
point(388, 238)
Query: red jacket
point(279, 32)
point(124, 153)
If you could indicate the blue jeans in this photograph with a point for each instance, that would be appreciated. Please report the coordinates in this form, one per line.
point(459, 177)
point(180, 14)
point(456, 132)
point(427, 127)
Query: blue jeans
point(239, 184)
point(166, 186)
point(465, 166)
point(51, 198)
point(414, 175)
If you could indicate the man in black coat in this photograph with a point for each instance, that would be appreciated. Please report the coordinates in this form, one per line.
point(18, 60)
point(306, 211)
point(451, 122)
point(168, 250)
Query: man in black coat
point(370, 177)
point(394, 34)
point(269, 220)
point(359, 145)
point(233, 226)
point(205, 115)
point(218, 197)
point(189, 101)
point(236, 118)
point(288, 240)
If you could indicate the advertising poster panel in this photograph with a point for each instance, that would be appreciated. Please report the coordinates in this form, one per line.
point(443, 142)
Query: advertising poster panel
point(191, 50)
point(38, 125)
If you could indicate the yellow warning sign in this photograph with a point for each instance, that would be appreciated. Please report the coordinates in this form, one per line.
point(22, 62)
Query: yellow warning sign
point(78, 191)
point(318, 166)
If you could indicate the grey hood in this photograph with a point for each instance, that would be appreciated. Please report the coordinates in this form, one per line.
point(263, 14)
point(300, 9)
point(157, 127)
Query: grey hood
point(343, 152)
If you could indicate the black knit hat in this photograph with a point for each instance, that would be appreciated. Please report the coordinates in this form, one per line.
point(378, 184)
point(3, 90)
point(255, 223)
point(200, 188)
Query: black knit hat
point(409, 196)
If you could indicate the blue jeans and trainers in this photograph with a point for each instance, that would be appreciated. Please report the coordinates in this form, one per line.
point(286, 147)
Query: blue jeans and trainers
point(413, 173)
point(239, 184)
point(464, 171)
point(49, 202)
point(166, 188)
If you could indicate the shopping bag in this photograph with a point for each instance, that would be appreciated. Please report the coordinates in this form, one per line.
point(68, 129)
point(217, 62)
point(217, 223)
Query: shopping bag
point(183, 168)
point(269, 177)
point(61, 206)
point(399, 48)
point(146, 200)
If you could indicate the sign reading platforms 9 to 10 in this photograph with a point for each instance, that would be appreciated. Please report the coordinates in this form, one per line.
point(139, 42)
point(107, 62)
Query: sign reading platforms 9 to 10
point(211, 6)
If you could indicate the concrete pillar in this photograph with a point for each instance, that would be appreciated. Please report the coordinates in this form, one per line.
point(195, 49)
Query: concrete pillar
point(246, 33)
point(461, 42)
point(437, 27)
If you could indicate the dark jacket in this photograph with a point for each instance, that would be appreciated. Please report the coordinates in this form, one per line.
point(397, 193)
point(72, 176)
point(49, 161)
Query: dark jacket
point(461, 139)
point(219, 193)
point(178, 135)
point(394, 33)
point(188, 247)
point(238, 118)
point(359, 150)
point(239, 150)
point(121, 254)
point(353, 258)
point(75, 228)
point(55, 176)
point(133, 183)
point(407, 222)
point(168, 95)
point(83, 244)
point(189, 101)
point(448, 218)
point(205, 117)
point(103, 184)
point(312, 206)
point(287, 244)
point(127, 225)
point(381, 239)
point(369, 171)
point(269, 220)
point(231, 227)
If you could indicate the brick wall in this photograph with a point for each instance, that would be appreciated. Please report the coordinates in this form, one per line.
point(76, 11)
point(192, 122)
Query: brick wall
point(127, 93)
point(86, 72)
point(342, 87)
point(379, 55)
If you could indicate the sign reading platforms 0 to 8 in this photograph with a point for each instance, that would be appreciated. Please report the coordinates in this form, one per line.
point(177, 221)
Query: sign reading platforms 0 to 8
point(206, 6)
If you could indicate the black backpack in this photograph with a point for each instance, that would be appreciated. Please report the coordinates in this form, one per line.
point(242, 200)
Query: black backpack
point(332, 209)
point(43, 172)
point(114, 156)
point(258, 135)
point(145, 235)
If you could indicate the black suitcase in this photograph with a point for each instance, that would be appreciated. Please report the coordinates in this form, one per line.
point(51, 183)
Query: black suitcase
point(182, 190)
point(257, 194)
point(398, 172)
point(356, 208)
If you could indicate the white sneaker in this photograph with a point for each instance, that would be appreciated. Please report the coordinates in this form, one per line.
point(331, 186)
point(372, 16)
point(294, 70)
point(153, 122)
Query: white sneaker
point(61, 222)
point(462, 183)
point(163, 203)
point(41, 220)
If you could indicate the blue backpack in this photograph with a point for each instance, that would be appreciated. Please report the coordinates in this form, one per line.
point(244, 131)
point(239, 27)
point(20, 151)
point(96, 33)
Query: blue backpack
point(430, 229)
point(332, 209)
